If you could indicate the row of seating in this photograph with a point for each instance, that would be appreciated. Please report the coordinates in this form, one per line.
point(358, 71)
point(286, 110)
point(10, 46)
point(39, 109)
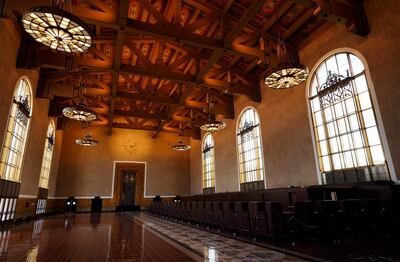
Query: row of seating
point(289, 212)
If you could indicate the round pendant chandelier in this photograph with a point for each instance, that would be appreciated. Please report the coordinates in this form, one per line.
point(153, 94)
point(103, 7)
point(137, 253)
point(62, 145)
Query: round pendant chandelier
point(80, 112)
point(286, 75)
point(57, 29)
point(213, 125)
point(180, 146)
point(87, 140)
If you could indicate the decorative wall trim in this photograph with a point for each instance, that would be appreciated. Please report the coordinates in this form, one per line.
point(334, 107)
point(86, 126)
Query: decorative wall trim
point(26, 196)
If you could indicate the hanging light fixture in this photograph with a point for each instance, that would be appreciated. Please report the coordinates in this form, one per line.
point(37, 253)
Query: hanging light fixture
point(212, 125)
point(87, 140)
point(286, 74)
point(181, 146)
point(57, 28)
point(80, 112)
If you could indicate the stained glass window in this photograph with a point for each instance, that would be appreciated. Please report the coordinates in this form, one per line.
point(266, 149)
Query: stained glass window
point(343, 116)
point(47, 156)
point(208, 161)
point(251, 163)
point(15, 136)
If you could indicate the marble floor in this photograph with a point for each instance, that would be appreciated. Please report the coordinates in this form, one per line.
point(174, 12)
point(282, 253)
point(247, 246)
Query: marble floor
point(123, 237)
point(211, 246)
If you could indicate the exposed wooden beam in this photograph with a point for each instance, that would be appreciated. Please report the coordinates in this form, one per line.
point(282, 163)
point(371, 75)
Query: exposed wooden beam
point(142, 114)
point(246, 17)
point(149, 98)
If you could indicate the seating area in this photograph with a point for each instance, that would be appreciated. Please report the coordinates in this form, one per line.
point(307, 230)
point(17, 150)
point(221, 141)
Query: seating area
point(295, 213)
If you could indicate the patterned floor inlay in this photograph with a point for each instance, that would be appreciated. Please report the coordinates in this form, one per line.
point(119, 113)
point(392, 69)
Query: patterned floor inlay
point(214, 247)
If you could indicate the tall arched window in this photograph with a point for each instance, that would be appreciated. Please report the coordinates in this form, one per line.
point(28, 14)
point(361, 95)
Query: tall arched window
point(250, 157)
point(13, 148)
point(347, 137)
point(208, 164)
point(47, 156)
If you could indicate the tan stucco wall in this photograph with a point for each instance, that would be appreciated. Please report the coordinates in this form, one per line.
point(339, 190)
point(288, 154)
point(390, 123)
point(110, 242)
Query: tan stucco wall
point(286, 134)
point(9, 75)
point(89, 171)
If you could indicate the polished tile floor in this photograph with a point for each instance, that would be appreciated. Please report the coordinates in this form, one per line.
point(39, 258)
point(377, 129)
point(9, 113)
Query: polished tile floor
point(85, 237)
point(123, 237)
point(211, 246)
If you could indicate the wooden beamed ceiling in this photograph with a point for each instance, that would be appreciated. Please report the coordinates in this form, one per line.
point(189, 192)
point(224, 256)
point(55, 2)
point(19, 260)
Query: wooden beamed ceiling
point(153, 61)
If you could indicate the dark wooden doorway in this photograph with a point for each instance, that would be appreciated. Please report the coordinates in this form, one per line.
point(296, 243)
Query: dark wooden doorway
point(128, 189)
point(129, 186)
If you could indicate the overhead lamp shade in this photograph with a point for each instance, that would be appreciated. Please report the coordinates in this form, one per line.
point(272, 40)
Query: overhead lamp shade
point(286, 75)
point(79, 112)
point(180, 146)
point(87, 140)
point(213, 125)
point(57, 29)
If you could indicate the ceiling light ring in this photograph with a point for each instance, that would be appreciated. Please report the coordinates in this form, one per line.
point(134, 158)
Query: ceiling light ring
point(87, 140)
point(39, 20)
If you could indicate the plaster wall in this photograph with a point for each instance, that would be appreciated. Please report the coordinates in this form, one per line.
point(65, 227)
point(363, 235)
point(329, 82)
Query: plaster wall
point(88, 172)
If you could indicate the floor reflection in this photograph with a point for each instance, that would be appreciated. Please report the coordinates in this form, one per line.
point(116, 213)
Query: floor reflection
point(212, 246)
point(86, 237)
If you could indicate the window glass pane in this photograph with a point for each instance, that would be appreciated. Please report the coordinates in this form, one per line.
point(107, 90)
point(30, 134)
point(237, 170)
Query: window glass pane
point(373, 136)
point(338, 110)
point(331, 65)
point(377, 155)
point(331, 129)
point(323, 147)
point(343, 64)
point(314, 87)
point(345, 142)
point(322, 73)
point(350, 105)
point(357, 65)
point(365, 101)
point(348, 159)
point(318, 118)
point(361, 84)
point(315, 104)
point(321, 133)
point(334, 145)
point(357, 139)
point(361, 157)
point(328, 114)
point(336, 161)
point(326, 164)
point(342, 126)
point(369, 118)
point(354, 122)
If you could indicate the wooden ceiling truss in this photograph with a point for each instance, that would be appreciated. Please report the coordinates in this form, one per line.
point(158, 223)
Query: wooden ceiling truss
point(153, 61)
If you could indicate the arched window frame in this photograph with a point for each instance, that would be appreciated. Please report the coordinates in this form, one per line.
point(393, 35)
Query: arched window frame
point(47, 156)
point(374, 102)
point(11, 163)
point(208, 164)
point(254, 181)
